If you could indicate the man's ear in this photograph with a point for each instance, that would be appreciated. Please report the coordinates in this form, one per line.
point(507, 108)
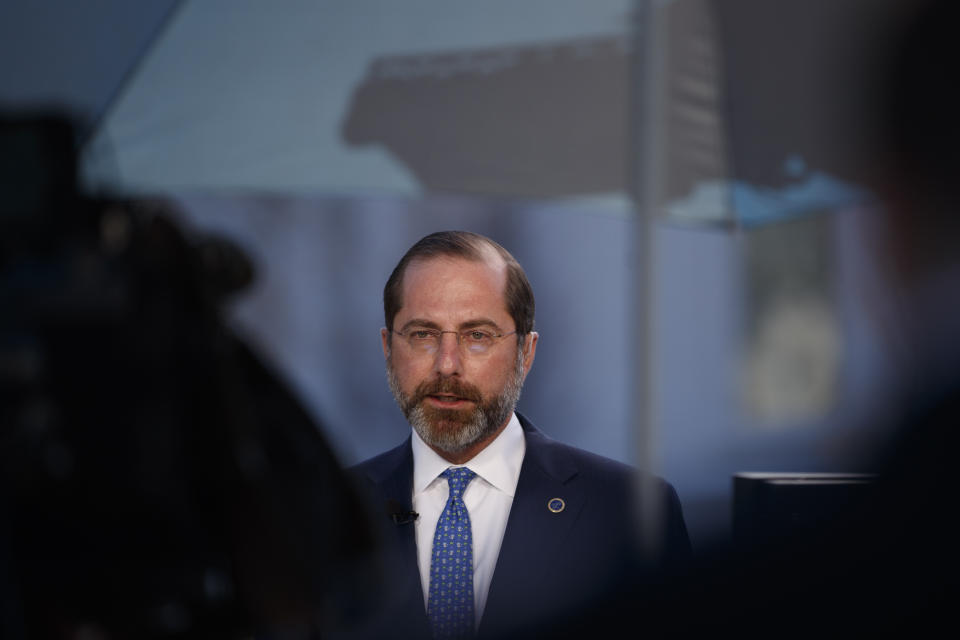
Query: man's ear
point(385, 339)
point(529, 351)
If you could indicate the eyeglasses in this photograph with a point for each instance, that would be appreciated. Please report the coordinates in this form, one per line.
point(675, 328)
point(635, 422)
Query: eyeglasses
point(474, 341)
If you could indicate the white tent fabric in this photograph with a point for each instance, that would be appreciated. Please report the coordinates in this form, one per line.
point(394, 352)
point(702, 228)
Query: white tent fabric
point(530, 99)
point(246, 95)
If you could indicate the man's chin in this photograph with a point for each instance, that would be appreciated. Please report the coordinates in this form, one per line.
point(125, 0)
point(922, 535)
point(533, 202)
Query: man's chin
point(450, 430)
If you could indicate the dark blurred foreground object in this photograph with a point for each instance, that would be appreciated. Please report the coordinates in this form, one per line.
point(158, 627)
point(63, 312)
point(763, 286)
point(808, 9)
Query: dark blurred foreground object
point(769, 505)
point(157, 479)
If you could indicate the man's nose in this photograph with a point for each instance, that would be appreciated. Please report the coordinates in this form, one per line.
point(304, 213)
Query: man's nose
point(449, 359)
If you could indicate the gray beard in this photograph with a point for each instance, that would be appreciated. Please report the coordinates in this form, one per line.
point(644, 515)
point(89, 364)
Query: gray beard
point(455, 430)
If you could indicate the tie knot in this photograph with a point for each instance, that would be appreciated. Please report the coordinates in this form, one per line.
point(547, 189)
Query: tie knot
point(458, 478)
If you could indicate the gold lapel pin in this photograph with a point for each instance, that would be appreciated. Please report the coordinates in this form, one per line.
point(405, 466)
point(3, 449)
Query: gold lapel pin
point(556, 505)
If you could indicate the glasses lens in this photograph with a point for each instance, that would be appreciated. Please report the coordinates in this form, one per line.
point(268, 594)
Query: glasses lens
point(422, 340)
point(476, 341)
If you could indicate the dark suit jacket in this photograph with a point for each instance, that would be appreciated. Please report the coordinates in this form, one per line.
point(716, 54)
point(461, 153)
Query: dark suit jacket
point(550, 563)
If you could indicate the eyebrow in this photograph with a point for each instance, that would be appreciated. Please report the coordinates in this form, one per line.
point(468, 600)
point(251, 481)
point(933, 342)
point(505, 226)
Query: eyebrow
point(469, 324)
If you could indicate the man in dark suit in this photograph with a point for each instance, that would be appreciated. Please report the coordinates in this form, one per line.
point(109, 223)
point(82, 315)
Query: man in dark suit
point(497, 528)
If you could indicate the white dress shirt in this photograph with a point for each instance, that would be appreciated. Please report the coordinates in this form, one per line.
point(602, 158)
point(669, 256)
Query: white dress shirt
point(488, 498)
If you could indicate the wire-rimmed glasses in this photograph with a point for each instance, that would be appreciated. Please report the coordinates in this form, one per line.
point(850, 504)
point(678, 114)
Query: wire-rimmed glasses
point(476, 341)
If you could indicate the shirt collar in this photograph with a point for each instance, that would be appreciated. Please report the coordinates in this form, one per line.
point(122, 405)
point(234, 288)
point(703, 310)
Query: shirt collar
point(498, 463)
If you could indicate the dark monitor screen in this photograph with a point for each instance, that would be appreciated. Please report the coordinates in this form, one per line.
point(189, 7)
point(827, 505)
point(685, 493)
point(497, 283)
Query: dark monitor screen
point(773, 505)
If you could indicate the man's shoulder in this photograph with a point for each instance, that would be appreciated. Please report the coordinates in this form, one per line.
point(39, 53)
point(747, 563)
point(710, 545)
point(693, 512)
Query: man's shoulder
point(551, 451)
point(587, 461)
point(601, 470)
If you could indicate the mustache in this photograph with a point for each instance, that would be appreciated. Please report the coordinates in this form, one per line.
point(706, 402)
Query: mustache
point(452, 386)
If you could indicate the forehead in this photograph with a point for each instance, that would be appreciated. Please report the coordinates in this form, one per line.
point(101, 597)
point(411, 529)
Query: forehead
point(455, 289)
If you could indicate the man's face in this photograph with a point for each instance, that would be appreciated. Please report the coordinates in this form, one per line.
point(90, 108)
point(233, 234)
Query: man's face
point(456, 401)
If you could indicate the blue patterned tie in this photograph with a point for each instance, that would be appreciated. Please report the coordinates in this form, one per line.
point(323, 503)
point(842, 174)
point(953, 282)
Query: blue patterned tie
point(450, 602)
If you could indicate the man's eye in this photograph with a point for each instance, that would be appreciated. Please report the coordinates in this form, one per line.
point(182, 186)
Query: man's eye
point(421, 334)
point(478, 336)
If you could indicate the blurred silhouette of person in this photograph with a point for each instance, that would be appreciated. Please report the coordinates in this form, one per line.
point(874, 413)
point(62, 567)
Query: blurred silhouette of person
point(158, 480)
point(498, 527)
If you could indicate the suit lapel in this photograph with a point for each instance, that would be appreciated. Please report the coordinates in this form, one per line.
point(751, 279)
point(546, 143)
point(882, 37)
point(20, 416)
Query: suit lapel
point(535, 535)
point(395, 481)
